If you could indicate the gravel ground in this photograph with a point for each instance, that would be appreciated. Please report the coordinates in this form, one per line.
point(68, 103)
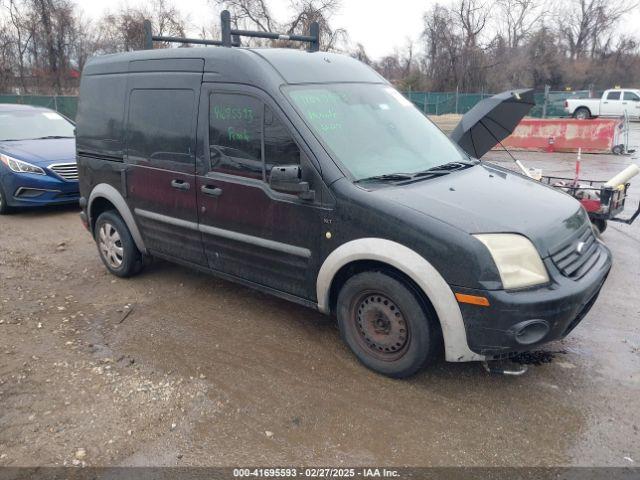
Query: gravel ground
point(178, 368)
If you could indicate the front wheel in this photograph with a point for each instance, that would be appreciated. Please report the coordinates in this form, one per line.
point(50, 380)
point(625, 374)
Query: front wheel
point(384, 323)
point(116, 246)
point(600, 224)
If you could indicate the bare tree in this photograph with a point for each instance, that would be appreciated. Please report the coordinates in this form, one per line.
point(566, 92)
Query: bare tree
point(123, 30)
point(321, 11)
point(471, 16)
point(256, 14)
point(584, 24)
point(518, 18)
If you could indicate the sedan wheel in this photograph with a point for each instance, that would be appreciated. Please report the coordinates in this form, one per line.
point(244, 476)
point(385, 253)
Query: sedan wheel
point(4, 208)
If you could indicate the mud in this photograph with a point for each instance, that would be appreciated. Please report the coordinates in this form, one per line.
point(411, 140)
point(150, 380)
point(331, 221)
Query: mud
point(174, 367)
point(537, 357)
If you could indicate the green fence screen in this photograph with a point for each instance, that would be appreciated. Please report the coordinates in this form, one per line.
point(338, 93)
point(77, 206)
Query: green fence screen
point(67, 105)
point(431, 103)
point(442, 103)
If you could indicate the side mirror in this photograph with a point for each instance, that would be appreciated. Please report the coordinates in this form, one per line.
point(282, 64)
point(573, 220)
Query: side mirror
point(288, 179)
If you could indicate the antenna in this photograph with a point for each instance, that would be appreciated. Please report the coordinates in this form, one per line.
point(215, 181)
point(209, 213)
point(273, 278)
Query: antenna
point(230, 36)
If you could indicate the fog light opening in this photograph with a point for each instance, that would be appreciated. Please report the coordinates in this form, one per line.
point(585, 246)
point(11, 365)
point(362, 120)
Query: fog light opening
point(531, 331)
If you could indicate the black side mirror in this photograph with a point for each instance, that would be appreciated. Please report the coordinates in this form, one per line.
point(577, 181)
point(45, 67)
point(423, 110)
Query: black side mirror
point(288, 179)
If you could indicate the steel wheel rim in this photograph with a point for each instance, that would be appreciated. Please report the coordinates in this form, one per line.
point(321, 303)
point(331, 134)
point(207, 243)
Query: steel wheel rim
point(110, 245)
point(380, 325)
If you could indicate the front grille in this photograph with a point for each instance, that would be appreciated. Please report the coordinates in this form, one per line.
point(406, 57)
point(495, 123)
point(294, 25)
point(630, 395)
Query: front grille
point(574, 261)
point(68, 171)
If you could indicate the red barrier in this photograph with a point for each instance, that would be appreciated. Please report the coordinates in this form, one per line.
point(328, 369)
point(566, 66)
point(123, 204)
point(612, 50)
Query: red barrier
point(565, 135)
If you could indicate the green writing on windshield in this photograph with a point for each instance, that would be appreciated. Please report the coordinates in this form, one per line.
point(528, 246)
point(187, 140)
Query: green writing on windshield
point(322, 108)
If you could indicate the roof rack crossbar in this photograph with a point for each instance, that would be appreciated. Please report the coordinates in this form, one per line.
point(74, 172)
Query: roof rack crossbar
point(230, 37)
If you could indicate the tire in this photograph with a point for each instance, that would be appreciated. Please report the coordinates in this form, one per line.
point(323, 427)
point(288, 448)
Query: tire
point(4, 207)
point(600, 224)
point(116, 247)
point(383, 321)
point(617, 149)
point(582, 113)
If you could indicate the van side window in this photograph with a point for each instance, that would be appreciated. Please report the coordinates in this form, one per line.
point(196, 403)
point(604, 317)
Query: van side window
point(279, 146)
point(235, 134)
point(100, 122)
point(160, 129)
point(613, 96)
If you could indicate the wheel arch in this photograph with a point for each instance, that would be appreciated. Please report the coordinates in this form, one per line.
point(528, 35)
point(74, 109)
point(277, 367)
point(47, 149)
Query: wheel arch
point(371, 253)
point(105, 197)
point(583, 107)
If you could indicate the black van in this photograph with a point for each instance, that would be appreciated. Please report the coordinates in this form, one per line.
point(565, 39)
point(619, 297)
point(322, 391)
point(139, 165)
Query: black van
point(306, 175)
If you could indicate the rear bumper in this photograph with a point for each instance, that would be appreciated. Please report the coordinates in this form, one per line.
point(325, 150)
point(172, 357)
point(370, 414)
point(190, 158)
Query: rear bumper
point(25, 190)
point(517, 321)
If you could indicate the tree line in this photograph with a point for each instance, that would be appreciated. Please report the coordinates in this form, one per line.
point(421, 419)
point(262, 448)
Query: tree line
point(465, 45)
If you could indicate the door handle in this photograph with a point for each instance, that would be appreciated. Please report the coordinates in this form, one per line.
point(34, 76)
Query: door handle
point(180, 184)
point(624, 103)
point(211, 190)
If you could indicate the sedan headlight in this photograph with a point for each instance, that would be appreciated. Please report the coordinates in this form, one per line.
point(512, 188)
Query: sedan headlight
point(518, 261)
point(19, 166)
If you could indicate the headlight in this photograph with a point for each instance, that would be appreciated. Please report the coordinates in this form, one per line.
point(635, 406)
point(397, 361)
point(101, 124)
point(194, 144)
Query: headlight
point(19, 166)
point(518, 261)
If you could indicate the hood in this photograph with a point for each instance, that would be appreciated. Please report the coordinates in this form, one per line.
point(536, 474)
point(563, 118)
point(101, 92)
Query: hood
point(489, 199)
point(41, 152)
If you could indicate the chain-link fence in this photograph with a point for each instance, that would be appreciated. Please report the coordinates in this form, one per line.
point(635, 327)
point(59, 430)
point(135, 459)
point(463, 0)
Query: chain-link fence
point(550, 104)
point(67, 105)
point(442, 103)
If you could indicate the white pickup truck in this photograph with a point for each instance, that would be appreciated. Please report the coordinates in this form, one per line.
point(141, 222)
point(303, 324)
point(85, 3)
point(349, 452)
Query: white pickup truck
point(612, 104)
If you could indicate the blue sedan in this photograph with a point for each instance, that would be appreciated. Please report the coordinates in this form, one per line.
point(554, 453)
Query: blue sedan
point(37, 158)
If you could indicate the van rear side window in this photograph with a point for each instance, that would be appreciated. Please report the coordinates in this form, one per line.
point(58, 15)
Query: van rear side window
point(160, 131)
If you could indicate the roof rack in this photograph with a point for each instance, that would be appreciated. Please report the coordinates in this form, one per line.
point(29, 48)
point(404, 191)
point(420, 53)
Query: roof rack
point(230, 36)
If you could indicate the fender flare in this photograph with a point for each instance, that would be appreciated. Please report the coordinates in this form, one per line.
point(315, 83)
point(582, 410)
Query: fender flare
point(415, 267)
point(106, 191)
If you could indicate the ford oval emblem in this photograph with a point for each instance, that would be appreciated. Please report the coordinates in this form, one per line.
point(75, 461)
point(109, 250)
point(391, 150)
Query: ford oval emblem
point(580, 248)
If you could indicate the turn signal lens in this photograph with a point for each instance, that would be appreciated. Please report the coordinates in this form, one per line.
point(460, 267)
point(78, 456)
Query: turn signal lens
point(472, 299)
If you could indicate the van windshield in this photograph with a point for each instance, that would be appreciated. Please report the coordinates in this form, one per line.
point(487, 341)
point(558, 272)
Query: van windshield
point(372, 129)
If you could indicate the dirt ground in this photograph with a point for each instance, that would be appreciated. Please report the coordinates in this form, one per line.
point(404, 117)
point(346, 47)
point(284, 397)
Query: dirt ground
point(178, 368)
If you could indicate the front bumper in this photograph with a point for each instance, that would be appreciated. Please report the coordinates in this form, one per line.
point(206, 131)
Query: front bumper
point(25, 189)
point(517, 321)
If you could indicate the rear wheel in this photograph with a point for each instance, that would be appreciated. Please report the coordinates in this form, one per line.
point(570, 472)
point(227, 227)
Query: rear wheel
point(582, 113)
point(116, 246)
point(384, 323)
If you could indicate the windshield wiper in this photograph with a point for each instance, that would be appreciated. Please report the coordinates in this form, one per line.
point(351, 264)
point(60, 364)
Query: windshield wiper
point(386, 177)
point(47, 137)
point(443, 169)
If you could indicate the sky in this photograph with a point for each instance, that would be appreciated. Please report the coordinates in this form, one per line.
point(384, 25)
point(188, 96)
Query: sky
point(380, 25)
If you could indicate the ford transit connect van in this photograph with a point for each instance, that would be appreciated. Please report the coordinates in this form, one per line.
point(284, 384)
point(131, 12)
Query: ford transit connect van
point(308, 176)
